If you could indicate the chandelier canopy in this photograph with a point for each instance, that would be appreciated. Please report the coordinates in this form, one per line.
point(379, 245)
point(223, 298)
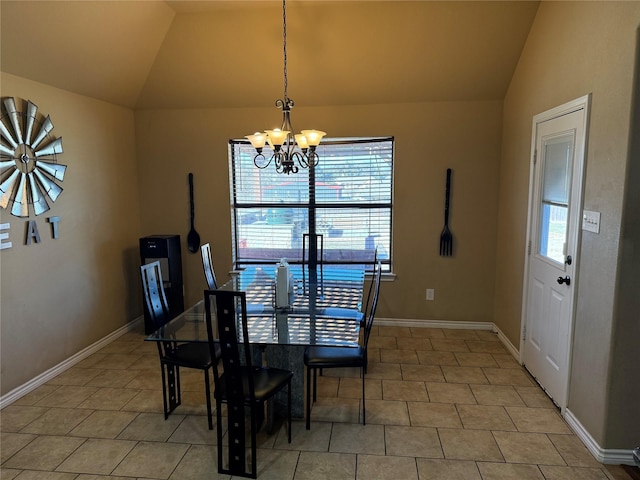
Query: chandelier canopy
point(289, 150)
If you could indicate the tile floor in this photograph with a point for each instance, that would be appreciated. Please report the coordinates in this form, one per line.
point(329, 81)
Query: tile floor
point(441, 404)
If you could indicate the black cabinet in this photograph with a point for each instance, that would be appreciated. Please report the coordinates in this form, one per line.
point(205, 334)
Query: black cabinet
point(166, 250)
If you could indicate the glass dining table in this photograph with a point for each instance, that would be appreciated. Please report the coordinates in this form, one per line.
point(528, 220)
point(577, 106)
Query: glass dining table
point(324, 307)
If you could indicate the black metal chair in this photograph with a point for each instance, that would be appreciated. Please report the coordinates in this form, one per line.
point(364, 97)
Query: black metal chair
point(349, 313)
point(321, 357)
point(174, 355)
point(207, 265)
point(239, 384)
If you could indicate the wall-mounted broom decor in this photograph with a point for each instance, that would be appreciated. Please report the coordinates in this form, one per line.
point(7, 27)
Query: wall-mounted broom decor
point(446, 238)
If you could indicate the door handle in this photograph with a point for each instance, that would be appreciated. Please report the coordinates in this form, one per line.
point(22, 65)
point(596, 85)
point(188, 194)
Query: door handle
point(566, 280)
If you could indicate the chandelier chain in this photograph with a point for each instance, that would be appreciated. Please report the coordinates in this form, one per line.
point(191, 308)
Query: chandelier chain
point(284, 45)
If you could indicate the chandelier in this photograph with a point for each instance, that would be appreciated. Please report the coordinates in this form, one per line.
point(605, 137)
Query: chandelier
point(288, 149)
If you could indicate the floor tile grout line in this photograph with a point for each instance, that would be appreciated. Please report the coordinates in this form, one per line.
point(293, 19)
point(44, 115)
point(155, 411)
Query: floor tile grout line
point(519, 394)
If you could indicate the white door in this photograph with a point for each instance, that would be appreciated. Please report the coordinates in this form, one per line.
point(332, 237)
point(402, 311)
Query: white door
point(555, 212)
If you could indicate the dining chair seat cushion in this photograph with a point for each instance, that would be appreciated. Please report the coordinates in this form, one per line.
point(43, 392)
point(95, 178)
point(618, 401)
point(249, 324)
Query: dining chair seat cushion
point(265, 382)
point(328, 357)
point(192, 355)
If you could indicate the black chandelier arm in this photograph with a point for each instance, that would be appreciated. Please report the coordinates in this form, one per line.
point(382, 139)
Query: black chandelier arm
point(284, 163)
point(301, 159)
point(313, 158)
point(285, 159)
point(286, 104)
point(307, 158)
point(259, 160)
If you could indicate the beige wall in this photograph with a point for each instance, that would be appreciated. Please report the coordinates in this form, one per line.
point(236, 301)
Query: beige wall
point(59, 296)
point(429, 138)
point(575, 48)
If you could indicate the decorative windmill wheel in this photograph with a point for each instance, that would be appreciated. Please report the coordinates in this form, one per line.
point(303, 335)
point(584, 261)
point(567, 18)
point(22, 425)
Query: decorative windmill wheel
point(29, 168)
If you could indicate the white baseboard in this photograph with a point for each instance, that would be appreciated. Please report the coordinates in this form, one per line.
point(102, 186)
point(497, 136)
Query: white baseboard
point(408, 322)
point(609, 456)
point(44, 377)
point(507, 343)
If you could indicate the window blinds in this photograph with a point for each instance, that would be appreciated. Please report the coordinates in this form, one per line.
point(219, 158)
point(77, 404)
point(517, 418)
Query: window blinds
point(351, 197)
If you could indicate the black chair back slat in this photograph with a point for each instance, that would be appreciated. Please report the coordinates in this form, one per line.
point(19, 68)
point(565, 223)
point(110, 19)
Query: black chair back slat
point(207, 266)
point(155, 298)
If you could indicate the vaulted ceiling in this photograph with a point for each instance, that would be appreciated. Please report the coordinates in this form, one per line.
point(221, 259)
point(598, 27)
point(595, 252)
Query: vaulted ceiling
point(217, 54)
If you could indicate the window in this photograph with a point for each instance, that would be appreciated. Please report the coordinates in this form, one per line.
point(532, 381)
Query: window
point(351, 201)
point(556, 190)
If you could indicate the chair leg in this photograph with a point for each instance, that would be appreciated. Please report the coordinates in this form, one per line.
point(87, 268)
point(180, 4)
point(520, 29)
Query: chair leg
point(366, 361)
point(289, 410)
point(207, 390)
point(171, 388)
point(178, 389)
point(315, 385)
point(165, 393)
point(254, 452)
point(219, 435)
point(308, 398)
point(364, 421)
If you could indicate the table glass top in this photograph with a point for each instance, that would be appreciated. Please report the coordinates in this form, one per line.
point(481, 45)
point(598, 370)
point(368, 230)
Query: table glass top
point(324, 307)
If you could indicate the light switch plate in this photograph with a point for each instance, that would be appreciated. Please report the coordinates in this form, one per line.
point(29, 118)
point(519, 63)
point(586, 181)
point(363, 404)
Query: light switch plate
point(591, 221)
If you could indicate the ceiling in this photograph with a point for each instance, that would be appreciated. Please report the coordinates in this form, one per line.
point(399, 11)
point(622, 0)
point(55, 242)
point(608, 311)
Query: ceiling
point(218, 54)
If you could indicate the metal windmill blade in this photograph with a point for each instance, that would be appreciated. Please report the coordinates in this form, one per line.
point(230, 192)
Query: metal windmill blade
point(56, 170)
point(50, 149)
point(4, 131)
point(20, 206)
point(40, 204)
point(7, 187)
point(47, 126)
point(10, 105)
point(51, 189)
point(7, 151)
point(32, 112)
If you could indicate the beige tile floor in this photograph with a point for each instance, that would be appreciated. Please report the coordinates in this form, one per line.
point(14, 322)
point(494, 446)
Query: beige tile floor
point(441, 404)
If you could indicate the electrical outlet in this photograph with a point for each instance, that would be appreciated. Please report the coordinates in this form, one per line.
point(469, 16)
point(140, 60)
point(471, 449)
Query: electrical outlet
point(430, 293)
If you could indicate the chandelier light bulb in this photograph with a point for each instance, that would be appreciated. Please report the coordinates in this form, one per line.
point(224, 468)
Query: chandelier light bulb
point(257, 140)
point(277, 136)
point(301, 140)
point(314, 137)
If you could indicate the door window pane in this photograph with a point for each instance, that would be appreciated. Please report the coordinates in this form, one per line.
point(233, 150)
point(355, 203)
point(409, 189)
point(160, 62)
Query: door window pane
point(553, 231)
point(557, 162)
point(556, 188)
